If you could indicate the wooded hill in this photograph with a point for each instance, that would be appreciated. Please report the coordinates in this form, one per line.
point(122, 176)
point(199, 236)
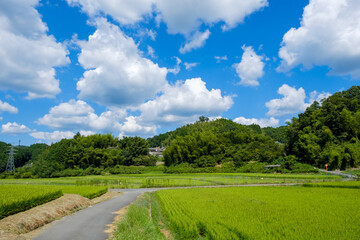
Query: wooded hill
point(328, 132)
point(206, 144)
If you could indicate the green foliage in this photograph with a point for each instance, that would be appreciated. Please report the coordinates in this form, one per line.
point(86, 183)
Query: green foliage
point(328, 133)
point(4, 147)
point(208, 143)
point(262, 213)
point(70, 157)
point(278, 134)
point(147, 160)
point(133, 147)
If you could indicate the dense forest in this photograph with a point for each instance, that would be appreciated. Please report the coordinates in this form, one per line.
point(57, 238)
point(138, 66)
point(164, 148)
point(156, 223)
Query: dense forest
point(326, 133)
point(209, 143)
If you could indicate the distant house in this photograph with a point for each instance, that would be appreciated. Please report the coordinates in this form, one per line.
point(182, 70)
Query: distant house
point(156, 151)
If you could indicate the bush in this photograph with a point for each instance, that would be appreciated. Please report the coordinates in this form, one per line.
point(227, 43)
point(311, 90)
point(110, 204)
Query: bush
point(255, 167)
point(148, 160)
point(205, 161)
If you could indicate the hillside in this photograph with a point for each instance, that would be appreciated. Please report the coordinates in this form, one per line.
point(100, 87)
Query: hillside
point(328, 133)
point(205, 144)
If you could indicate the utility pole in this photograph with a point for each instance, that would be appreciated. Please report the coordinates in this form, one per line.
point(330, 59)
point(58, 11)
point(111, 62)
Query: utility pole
point(10, 166)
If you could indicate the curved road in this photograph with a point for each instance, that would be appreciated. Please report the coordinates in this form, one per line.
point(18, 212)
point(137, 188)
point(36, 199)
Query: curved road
point(90, 223)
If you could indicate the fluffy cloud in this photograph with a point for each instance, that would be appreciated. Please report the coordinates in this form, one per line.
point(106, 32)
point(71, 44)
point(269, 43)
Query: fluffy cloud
point(123, 11)
point(184, 102)
point(6, 107)
point(180, 16)
point(251, 67)
point(292, 102)
point(56, 136)
point(271, 122)
point(329, 35)
point(132, 127)
point(196, 41)
point(117, 74)
point(28, 55)
point(14, 128)
point(74, 115)
point(186, 16)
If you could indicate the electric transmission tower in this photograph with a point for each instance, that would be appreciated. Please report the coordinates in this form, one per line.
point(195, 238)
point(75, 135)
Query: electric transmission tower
point(10, 166)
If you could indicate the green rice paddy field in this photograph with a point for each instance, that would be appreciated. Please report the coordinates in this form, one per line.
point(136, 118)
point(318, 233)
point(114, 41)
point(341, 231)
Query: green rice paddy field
point(16, 198)
point(262, 213)
point(177, 180)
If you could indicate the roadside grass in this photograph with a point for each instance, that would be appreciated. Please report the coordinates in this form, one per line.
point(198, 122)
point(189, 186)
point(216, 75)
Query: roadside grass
point(139, 222)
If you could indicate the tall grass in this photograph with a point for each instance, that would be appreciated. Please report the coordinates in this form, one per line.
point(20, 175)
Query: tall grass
point(138, 223)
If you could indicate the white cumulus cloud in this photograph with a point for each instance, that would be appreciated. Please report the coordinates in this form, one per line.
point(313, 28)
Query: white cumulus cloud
point(6, 107)
point(293, 101)
point(186, 16)
point(184, 102)
point(74, 115)
point(133, 127)
point(116, 73)
point(180, 16)
point(263, 122)
point(14, 128)
point(52, 137)
point(251, 67)
point(197, 40)
point(28, 55)
point(123, 11)
point(329, 35)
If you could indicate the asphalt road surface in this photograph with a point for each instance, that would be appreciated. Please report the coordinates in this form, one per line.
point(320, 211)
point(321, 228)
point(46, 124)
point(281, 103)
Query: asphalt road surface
point(90, 223)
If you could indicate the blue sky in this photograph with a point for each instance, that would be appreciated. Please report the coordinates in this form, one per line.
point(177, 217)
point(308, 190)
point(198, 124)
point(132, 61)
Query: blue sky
point(144, 67)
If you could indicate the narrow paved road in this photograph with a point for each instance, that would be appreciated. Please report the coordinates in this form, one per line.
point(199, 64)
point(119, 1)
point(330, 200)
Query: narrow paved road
point(90, 223)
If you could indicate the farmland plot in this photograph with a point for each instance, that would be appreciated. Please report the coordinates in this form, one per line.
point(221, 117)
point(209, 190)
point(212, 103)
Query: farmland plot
point(16, 198)
point(262, 213)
